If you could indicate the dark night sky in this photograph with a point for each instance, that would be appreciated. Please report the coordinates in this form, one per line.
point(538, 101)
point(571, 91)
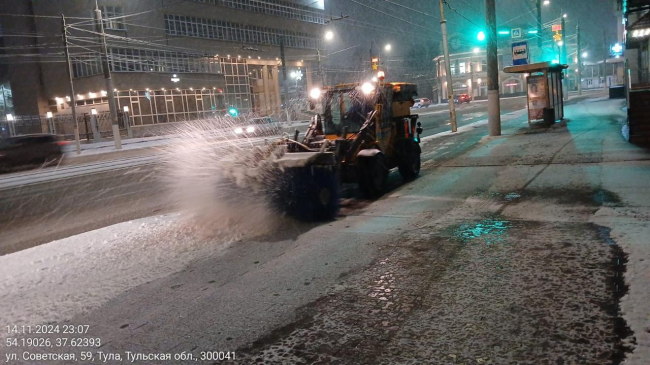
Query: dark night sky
point(415, 36)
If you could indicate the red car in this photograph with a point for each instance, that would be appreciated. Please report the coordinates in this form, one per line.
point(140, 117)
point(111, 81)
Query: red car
point(462, 98)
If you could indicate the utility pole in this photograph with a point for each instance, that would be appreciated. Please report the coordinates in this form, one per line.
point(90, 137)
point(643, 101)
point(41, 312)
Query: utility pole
point(579, 56)
point(285, 89)
point(73, 102)
point(565, 57)
point(110, 90)
point(605, 50)
point(539, 24)
point(450, 86)
point(320, 69)
point(494, 107)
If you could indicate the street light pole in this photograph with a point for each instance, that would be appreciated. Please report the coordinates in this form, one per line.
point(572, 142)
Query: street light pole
point(285, 90)
point(564, 57)
point(450, 86)
point(109, 81)
point(494, 107)
point(539, 24)
point(73, 102)
point(579, 56)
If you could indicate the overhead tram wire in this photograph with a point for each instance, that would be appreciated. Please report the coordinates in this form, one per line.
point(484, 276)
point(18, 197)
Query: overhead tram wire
point(390, 15)
point(460, 14)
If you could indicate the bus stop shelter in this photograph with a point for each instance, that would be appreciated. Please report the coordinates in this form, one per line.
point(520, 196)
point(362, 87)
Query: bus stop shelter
point(545, 94)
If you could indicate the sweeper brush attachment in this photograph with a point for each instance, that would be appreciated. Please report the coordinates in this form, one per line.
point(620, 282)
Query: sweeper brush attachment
point(306, 186)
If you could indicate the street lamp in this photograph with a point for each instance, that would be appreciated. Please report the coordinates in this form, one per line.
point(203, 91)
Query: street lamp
point(329, 35)
point(476, 50)
point(585, 54)
point(388, 47)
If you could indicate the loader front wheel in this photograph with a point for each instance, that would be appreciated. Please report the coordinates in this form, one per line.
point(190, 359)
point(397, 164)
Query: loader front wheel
point(409, 160)
point(372, 176)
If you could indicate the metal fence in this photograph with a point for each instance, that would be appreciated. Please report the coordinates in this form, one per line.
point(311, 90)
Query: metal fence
point(61, 125)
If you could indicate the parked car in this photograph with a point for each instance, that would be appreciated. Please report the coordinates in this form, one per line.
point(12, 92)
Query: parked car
point(462, 98)
point(30, 150)
point(422, 103)
point(258, 127)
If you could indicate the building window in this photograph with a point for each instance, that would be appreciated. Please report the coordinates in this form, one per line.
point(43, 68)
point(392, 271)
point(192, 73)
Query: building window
point(113, 17)
point(139, 60)
point(273, 7)
point(188, 26)
point(85, 64)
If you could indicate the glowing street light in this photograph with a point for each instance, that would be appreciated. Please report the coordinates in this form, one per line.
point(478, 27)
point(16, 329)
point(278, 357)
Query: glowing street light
point(477, 50)
point(388, 47)
point(329, 35)
point(547, 2)
point(585, 54)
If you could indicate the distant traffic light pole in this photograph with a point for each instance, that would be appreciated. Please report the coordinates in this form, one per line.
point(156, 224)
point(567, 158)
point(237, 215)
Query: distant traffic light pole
point(450, 86)
point(539, 24)
point(579, 56)
point(494, 107)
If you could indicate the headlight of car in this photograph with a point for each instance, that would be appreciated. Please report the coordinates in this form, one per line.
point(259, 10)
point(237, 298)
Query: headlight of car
point(239, 130)
point(250, 129)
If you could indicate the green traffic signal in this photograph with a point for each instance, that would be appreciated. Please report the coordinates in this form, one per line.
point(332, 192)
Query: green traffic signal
point(481, 36)
point(233, 112)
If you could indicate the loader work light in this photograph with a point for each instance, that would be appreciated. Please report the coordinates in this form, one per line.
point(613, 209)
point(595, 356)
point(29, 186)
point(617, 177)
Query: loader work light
point(315, 93)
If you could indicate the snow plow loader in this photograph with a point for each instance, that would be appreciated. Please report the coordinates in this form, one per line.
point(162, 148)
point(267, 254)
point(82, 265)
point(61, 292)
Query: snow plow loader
point(364, 130)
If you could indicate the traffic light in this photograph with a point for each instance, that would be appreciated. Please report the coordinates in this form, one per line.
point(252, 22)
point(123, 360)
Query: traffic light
point(233, 112)
point(480, 36)
point(375, 63)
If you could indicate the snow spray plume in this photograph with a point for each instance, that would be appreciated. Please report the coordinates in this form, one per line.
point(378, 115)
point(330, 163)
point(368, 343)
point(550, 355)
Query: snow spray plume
point(220, 180)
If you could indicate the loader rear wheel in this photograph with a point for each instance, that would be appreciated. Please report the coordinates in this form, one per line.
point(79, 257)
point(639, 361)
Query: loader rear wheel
point(372, 175)
point(409, 160)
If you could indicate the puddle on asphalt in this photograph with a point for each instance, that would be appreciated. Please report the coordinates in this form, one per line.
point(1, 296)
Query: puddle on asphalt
point(512, 196)
point(488, 231)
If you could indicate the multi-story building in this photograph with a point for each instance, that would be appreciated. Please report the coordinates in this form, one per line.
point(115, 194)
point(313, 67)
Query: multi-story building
point(170, 60)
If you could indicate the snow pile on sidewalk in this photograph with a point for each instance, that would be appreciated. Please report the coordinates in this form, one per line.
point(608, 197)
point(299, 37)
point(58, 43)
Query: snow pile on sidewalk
point(60, 279)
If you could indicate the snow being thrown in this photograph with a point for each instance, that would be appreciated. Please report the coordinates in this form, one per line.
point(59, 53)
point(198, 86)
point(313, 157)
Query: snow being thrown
point(219, 173)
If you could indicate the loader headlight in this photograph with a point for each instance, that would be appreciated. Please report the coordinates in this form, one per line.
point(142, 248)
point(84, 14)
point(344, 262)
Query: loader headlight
point(239, 130)
point(250, 129)
point(315, 93)
point(367, 88)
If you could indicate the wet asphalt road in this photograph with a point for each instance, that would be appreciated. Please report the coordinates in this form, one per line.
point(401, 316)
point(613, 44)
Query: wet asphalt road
point(71, 205)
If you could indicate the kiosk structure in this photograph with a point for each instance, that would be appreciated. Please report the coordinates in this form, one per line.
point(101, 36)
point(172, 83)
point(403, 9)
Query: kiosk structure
point(545, 93)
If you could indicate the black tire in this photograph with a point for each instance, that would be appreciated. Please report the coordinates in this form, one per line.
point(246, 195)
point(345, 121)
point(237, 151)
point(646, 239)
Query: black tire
point(306, 193)
point(409, 160)
point(372, 176)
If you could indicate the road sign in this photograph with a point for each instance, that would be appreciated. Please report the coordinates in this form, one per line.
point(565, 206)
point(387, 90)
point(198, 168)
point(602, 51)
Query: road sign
point(515, 33)
point(520, 53)
point(557, 27)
